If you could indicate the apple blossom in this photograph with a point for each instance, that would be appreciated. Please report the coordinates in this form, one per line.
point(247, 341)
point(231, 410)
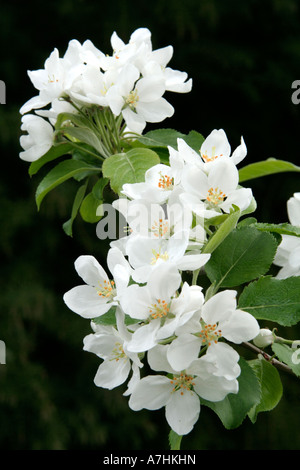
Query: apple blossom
point(220, 318)
point(109, 343)
point(99, 293)
point(158, 307)
point(288, 253)
point(39, 137)
point(179, 392)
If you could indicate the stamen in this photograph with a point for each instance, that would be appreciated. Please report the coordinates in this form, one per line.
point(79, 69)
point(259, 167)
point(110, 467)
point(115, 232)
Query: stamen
point(107, 289)
point(210, 334)
point(165, 182)
point(159, 310)
point(213, 156)
point(158, 255)
point(182, 382)
point(215, 196)
point(117, 353)
point(132, 99)
point(160, 228)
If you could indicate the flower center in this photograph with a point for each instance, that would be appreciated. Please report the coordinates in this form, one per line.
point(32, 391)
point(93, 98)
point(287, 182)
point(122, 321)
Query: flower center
point(159, 310)
point(210, 334)
point(215, 196)
point(182, 382)
point(132, 99)
point(117, 353)
point(213, 156)
point(160, 228)
point(107, 289)
point(52, 79)
point(158, 255)
point(165, 182)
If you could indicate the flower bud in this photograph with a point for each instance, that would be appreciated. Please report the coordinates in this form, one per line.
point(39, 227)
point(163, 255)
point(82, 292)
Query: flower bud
point(264, 338)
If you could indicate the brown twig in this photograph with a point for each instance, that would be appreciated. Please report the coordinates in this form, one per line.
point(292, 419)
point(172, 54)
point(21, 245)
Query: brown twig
point(279, 365)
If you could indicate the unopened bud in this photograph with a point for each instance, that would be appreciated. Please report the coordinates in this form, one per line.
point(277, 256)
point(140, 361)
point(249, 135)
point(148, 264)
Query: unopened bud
point(264, 338)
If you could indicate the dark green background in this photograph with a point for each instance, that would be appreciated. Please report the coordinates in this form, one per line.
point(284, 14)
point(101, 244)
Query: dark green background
point(243, 58)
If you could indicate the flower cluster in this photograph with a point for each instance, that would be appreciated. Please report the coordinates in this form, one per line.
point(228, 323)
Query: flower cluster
point(288, 253)
point(145, 309)
point(129, 83)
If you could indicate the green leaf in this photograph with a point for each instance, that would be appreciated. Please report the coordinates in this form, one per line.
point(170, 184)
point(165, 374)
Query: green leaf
point(194, 140)
point(276, 300)
point(234, 408)
point(128, 167)
point(88, 208)
point(270, 384)
point(265, 168)
point(161, 138)
point(86, 135)
point(98, 188)
point(245, 254)
point(282, 229)
point(56, 151)
point(67, 226)
point(228, 224)
point(109, 318)
point(284, 354)
point(168, 137)
point(59, 174)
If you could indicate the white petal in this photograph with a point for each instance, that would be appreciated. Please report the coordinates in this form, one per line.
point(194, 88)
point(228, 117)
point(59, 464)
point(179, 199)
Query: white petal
point(213, 388)
point(217, 306)
point(164, 281)
point(85, 301)
point(216, 144)
point(241, 326)
point(183, 350)
point(150, 89)
point(100, 344)
point(144, 338)
point(136, 301)
point(240, 153)
point(157, 359)
point(135, 122)
point(112, 373)
point(152, 393)
point(182, 411)
point(90, 270)
point(191, 262)
point(155, 111)
point(223, 175)
point(225, 358)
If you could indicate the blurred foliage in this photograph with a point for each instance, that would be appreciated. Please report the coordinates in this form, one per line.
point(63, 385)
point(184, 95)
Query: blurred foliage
point(243, 58)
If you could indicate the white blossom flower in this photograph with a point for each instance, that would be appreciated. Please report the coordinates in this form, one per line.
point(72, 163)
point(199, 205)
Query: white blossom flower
point(216, 145)
point(39, 138)
point(138, 99)
point(99, 293)
point(220, 318)
point(180, 392)
point(288, 253)
point(160, 182)
point(56, 78)
point(209, 192)
point(158, 307)
point(145, 253)
point(109, 343)
point(264, 338)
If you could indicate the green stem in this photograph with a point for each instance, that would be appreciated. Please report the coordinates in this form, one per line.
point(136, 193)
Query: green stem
point(86, 151)
point(174, 440)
